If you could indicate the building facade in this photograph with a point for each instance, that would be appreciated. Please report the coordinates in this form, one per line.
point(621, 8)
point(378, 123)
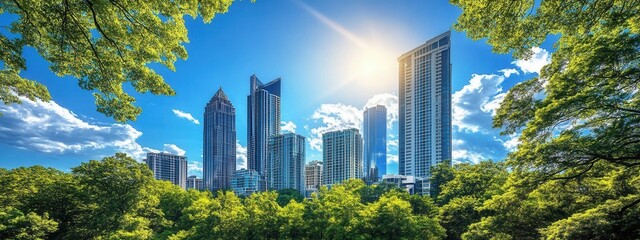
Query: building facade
point(169, 167)
point(219, 145)
point(413, 185)
point(375, 143)
point(313, 176)
point(193, 182)
point(285, 162)
point(263, 121)
point(425, 107)
point(341, 155)
point(245, 182)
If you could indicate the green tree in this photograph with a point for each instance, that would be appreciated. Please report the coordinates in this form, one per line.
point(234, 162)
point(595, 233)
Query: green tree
point(440, 174)
point(102, 43)
point(286, 195)
point(332, 213)
point(292, 223)
point(16, 225)
point(262, 209)
point(110, 191)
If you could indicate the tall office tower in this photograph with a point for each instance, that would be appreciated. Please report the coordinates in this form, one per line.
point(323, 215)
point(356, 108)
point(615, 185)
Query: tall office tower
point(263, 121)
point(375, 143)
point(169, 167)
point(245, 182)
point(342, 156)
point(194, 182)
point(425, 107)
point(285, 162)
point(219, 149)
point(313, 175)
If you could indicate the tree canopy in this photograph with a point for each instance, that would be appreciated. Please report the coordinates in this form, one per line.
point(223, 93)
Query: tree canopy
point(102, 43)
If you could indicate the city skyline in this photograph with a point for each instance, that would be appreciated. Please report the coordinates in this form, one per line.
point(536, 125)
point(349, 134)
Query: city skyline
point(350, 52)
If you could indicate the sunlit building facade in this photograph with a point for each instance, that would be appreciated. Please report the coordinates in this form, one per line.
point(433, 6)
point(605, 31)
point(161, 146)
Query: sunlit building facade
point(169, 167)
point(425, 107)
point(245, 182)
point(194, 182)
point(341, 155)
point(313, 176)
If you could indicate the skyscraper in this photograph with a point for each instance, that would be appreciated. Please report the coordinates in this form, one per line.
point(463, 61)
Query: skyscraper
point(313, 176)
point(169, 167)
point(375, 143)
point(425, 107)
point(219, 150)
point(263, 121)
point(285, 162)
point(342, 156)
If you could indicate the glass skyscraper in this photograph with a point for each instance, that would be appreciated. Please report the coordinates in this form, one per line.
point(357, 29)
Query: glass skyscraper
point(219, 149)
point(375, 143)
point(285, 163)
point(425, 107)
point(263, 121)
point(341, 155)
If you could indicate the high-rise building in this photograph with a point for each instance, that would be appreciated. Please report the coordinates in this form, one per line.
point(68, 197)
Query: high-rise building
point(245, 182)
point(375, 143)
point(263, 121)
point(313, 176)
point(219, 150)
point(342, 156)
point(169, 167)
point(285, 162)
point(425, 107)
point(193, 182)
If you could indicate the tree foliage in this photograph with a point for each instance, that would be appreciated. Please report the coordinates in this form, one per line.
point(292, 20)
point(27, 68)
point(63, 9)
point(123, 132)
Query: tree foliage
point(105, 44)
point(575, 173)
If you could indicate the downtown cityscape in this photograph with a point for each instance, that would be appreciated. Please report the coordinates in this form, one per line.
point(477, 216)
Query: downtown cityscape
point(333, 119)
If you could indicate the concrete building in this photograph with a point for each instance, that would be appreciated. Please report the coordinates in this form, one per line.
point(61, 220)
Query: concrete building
point(285, 162)
point(169, 167)
point(375, 143)
point(313, 176)
point(263, 121)
point(425, 107)
point(341, 155)
point(412, 184)
point(219, 145)
point(194, 182)
point(245, 182)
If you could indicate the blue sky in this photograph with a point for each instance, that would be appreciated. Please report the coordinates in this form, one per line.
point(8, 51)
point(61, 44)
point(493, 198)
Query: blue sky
point(335, 58)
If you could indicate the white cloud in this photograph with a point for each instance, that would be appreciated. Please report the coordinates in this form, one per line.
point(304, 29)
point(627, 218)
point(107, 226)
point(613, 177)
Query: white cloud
point(539, 59)
point(461, 156)
point(333, 117)
point(511, 143)
point(241, 156)
point(508, 71)
point(392, 158)
point(340, 116)
point(194, 168)
point(476, 102)
point(50, 128)
point(172, 148)
point(288, 127)
point(185, 115)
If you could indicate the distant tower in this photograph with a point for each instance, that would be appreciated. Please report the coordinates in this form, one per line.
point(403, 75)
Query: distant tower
point(263, 121)
point(219, 150)
point(169, 167)
point(342, 156)
point(313, 176)
point(375, 143)
point(425, 107)
point(193, 182)
point(285, 162)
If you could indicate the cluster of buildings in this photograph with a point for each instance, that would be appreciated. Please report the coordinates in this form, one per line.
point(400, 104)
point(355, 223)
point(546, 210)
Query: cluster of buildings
point(276, 160)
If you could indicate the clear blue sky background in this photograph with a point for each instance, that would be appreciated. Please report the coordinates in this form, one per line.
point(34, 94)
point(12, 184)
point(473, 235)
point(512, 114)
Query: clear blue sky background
point(334, 57)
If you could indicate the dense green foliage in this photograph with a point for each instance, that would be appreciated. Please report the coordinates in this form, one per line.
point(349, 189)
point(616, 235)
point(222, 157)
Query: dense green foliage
point(576, 173)
point(102, 43)
point(117, 198)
